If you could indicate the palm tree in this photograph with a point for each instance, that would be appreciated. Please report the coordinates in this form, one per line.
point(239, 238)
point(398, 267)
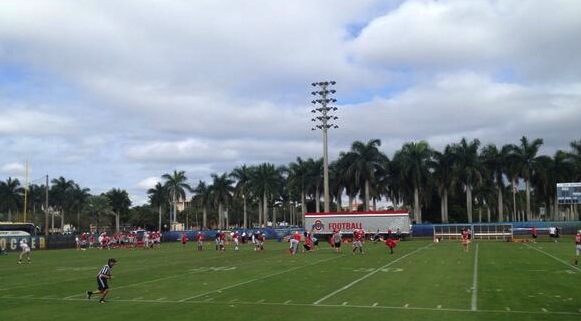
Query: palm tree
point(524, 158)
point(221, 191)
point(494, 161)
point(36, 200)
point(364, 161)
point(575, 159)
point(412, 161)
point(79, 196)
point(443, 176)
point(298, 178)
point(96, 206)
point(548, 172)
point(266, 181)
point(120, 203)
point(61, 197)
point(467, 168)
point(11, 196)
point(315, 181)
point(158, 197)
point(176, 185)
point(242, 176)
point(201, 198)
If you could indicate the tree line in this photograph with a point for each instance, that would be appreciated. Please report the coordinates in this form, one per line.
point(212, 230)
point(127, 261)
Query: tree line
point(464, 182)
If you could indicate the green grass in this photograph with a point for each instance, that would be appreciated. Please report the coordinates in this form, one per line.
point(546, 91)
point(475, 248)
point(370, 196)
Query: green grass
point(421, 281)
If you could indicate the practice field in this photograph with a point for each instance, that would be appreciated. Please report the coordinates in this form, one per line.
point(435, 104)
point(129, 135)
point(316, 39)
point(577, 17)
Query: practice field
point(421, 281)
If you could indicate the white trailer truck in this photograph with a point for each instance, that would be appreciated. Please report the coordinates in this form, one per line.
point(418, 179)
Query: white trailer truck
point(370, 222)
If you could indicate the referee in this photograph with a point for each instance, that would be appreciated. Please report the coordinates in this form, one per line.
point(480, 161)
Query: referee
point(102, 277)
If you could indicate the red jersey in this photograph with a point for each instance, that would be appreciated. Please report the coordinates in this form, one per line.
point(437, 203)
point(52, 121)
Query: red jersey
point(184, 238)
point(465, 235)
point(199, 237)
point(391, 243)
point(358, 235)
point(297, 237)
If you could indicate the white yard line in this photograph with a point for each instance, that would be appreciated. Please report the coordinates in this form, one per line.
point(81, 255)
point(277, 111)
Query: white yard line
point(475, 281)
point(554, 257)
point(366, 276)
point(508, 311)
point(256, 279)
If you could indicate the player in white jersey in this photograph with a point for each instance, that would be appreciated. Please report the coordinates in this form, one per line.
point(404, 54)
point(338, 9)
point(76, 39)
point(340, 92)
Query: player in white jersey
point(25, 251)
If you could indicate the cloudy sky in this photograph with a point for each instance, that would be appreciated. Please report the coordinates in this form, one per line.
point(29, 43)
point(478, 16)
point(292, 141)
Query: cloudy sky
point(116, 93)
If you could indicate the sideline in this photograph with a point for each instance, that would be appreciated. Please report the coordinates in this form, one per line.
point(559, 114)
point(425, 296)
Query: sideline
point(368, 275)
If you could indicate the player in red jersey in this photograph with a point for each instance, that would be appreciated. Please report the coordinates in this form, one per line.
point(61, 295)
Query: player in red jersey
point(391, 244)
point(577, 246)
point(222, 241)
point(200, 239)
point(184, 240)
point(465, 239)
point(358, 236)
point(236, 239)
point(294, 241)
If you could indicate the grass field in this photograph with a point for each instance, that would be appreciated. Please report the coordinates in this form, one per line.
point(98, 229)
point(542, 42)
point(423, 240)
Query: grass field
point(421, 281)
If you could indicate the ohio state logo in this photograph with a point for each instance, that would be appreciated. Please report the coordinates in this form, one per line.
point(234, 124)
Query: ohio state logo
point(318, 225)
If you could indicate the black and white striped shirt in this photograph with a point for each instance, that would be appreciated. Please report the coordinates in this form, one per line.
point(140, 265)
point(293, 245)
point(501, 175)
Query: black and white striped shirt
point(105, 272)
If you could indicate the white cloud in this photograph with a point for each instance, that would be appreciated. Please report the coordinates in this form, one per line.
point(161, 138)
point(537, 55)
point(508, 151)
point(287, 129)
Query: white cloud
point(114, 94)
point(13, 170)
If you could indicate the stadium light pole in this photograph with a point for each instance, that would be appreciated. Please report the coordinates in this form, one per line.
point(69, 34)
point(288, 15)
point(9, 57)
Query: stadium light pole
point(323, 121)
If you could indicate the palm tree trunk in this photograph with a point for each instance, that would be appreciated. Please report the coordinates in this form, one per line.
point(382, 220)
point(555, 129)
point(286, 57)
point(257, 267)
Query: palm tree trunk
point(500, 205)
point(351, 199)
point(205, 217)
point(442, 207)
point(303, 208)
point(159, 221)
point(528, 195)
point(469, 202)
point(220, 216)
point(339, 203)
point(245, 215)
point(265, 211)
point(317, 200)
point(417, 217)
point(446, 202)
point(117, 222)
point(366, 195)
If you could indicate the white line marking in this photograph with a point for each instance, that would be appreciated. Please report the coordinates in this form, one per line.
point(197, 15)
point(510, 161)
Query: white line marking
point(137, 299)
point(366, 276)
point(160, 299)
point(556, 258)
point(331, 306)
point(475, 281)
point(256, 279)
point(288, 301)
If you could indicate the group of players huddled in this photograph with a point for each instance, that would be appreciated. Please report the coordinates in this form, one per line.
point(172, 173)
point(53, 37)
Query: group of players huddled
point(134, 239)
point(357, 240)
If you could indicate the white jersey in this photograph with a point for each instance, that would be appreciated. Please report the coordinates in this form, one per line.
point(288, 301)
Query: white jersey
point(24, 246)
